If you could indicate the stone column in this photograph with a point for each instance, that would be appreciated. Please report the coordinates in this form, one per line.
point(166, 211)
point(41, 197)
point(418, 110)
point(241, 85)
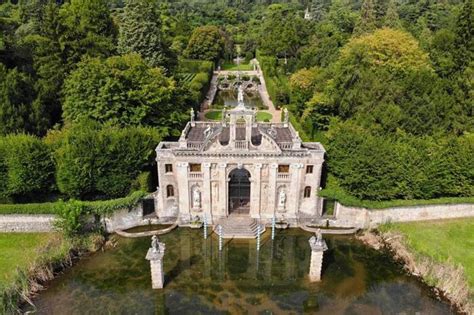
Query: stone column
point(183, 191)
point(223, 198)
point(255, 191)
point(294, 190)
point(155, 256)
point(206, 203)
point(318, 246)
point(272, 186)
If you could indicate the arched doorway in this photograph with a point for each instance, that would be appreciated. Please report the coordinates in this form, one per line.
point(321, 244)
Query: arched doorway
point(239, 192)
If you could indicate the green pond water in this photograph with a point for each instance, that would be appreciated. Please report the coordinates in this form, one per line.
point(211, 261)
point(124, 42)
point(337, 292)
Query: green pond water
point(229, 99)
point(239, 280)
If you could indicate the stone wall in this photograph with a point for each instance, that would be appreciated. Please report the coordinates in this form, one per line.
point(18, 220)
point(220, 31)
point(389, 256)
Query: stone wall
point(368, 218)
point(26, 223)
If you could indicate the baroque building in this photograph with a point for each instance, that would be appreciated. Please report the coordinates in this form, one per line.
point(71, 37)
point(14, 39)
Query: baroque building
point(239, 167)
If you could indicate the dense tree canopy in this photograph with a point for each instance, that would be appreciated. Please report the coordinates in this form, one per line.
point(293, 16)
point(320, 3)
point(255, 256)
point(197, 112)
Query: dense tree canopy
point(206, 43)
point(141, 32)
point(120, 90)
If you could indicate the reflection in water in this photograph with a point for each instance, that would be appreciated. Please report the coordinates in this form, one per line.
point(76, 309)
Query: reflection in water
point(229, 99)
point(200, 279)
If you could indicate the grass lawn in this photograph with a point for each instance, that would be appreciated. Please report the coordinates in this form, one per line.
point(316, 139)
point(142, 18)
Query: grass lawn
point(19, 250)
point(264, 116)
point(217, 115)
point(442, 240)
point(234, 67)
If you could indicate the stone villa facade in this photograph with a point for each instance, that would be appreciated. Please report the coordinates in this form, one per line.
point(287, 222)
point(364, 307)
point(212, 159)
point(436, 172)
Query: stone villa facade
point(239, 167)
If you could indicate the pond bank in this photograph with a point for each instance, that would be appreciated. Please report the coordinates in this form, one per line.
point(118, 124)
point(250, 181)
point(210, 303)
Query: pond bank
point(56, 256)
point(447, 281)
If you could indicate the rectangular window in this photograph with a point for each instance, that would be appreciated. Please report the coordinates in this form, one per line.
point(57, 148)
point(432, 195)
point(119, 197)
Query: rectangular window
point(169, 168)
point(195, 167)
point(309, 169)
point(283, 168)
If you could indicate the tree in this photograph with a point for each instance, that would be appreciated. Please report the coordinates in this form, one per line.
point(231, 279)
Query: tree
point(87, 29)
point(302, 84)
point(141, 31)
point(206, 43)
point(122, 91)
point(16, 97)
point(391, 18)
point(366, 24)
point(465, 35)
point(282, 32)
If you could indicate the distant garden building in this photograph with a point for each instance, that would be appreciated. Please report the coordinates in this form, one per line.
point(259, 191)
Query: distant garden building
point(239, 167)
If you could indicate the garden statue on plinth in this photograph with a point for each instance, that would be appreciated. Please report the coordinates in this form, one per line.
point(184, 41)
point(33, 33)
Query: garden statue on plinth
point(155, 256)
point(318, 247)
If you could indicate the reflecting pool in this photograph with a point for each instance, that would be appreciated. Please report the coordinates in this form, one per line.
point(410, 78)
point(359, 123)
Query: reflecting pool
point(201, 280)
point(229, 99)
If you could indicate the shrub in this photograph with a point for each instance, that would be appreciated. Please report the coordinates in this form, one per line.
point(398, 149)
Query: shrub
point(26, 166)
point(93, 160)
point(144, 182)
point(71, 217)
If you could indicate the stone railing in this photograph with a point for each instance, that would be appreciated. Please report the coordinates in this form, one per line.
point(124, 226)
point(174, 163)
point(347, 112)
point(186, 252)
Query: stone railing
point(284, 176)
point(194, 175)
point(241, 144)
point(285, 145)
point(194, 145)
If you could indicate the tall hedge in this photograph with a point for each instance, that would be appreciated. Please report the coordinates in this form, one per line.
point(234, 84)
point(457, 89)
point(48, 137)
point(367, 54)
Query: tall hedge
point(384, 167)
point(26, 167)
point(93, 160)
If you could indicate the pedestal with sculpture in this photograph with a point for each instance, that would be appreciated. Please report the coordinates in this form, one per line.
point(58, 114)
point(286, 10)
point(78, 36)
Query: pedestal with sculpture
point(155, 256)
point(318, 247)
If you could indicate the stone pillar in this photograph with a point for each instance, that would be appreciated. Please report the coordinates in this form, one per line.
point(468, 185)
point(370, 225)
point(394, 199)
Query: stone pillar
point(318, 246)
point(294, 190)
point(223, 198)
point(255, 191)
point(272, 186)
point(206, 203)
point(183, 191)
point(155, 256)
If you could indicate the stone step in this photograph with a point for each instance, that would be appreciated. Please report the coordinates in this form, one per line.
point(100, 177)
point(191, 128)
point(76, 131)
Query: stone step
point(238, 227)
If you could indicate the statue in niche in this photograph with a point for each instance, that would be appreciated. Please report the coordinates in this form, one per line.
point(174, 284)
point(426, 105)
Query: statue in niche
point(281, 199)
point(196, 198)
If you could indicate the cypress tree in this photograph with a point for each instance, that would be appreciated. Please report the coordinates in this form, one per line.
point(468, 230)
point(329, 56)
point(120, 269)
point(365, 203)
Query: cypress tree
point(366, 23)
point(392, 19)
point(141, 32)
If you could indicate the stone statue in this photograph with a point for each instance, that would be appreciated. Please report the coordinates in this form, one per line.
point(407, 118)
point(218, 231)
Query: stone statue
point(286, 117)
point(282, 199)
point(240, 96)
point(319, 237)
point(155, 244)
point(192, 115)
point(196, 198)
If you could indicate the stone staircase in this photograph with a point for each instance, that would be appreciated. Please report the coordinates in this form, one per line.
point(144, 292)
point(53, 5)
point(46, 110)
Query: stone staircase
point(238, 227)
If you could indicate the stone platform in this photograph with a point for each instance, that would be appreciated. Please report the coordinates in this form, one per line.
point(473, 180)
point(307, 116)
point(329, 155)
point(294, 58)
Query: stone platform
point(236, 226)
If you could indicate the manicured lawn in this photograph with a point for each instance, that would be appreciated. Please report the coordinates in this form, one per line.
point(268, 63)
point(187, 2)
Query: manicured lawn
point(213, 115)
point(217, 115)
point(264, 116)
point(442, 240)
point(19, 250)
point(234, 67)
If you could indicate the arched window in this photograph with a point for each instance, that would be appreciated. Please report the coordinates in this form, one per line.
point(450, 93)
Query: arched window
point(307, 191)
point(169, 191)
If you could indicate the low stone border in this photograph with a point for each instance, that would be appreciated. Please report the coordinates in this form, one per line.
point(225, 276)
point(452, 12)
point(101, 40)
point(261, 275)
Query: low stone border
point(147, 233)
point(21, 223)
